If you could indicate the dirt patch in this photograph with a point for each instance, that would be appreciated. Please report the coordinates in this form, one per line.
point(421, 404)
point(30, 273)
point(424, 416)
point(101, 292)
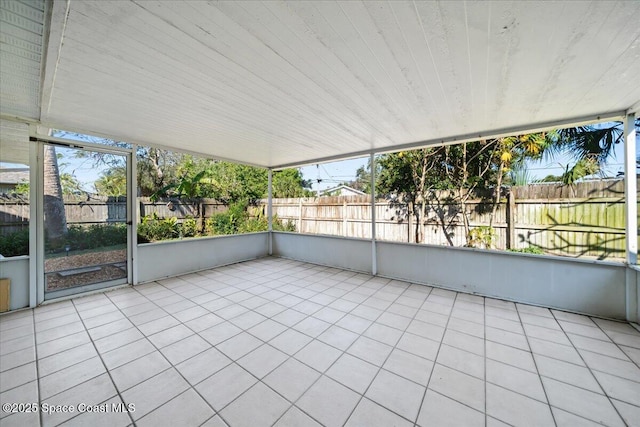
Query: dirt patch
point(105, 260)
point(84, 260)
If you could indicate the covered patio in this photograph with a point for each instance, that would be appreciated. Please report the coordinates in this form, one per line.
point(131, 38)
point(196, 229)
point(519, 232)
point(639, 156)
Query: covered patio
point(291, 329)
point(286, 343)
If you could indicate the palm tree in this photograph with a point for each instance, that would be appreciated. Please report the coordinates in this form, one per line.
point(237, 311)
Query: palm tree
point(591, 147)
point(55, 221)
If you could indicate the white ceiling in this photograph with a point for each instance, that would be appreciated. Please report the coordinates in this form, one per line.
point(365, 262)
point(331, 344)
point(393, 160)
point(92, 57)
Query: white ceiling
point(21, 41)
point(276, 83)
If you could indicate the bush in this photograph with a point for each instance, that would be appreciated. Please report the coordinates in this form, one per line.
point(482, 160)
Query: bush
point(153, 228)
point(482, 237)
point(234, 220)
point(15, 244)
point(82, 237)
point(227, 222)
point(261, 223)
point(280, 226)
point(95, 236)
point(189, 227)
point(253, 225)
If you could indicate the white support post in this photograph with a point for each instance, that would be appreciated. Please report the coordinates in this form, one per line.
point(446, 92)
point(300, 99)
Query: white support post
point(133, 212)
point(270, 210)
point(630, 189)
point(33, 223)
point(374, 254)
point(38, 218)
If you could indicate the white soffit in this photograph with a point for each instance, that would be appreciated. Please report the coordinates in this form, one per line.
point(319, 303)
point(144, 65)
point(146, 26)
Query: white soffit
point(21, 35)
point(14, 142)
point(274, 83)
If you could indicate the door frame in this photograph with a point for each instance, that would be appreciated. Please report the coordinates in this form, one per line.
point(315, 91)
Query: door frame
point(37, 194)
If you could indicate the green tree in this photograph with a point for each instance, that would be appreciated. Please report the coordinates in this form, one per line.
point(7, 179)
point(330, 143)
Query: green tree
point(435, 179)
point(584, 167)
point(408, 178)
point(290, 183)
point(157, 168)
point(112, 182)
point(443, 179)
point(513, 152)
point(591, 147)
point(363, 177)
point(231, 182)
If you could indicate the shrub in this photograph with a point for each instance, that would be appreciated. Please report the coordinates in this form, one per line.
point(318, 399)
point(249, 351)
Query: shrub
point(227, 222)
point(189, 227)
point(482, 236)
point(15, 244)
point(278, 225)
point(153, 228)
point(253, 225)
point(95, 236)
point(260, 223)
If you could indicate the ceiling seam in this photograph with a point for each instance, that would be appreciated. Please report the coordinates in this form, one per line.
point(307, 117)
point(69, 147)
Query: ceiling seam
point(58, 56)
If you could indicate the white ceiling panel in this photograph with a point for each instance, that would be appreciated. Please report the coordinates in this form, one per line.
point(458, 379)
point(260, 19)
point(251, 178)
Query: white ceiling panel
point(14, 142)
point(21, 39)
point(274, 83)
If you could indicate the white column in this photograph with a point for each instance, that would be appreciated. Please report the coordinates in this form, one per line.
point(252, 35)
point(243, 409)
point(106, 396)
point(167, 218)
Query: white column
point(270, 210)
point(133, 212)
point(630, 189)
point(374, 255)
point(34, 229)
point(38, 201)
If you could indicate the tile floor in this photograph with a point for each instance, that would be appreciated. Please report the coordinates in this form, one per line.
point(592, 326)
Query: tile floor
point(284, 343)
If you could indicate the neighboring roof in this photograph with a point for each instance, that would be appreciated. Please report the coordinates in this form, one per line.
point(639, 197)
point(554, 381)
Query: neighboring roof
point(343, 188)
point(280, 83)
point(14, 176)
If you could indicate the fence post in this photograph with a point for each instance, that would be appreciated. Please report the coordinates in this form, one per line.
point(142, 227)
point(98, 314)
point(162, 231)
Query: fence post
point(344, 217)
point(511, 216)
point(300, 215)
point(201, 214)
point(410, 232)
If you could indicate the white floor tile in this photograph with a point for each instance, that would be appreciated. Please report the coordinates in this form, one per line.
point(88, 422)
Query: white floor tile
point(329, 402)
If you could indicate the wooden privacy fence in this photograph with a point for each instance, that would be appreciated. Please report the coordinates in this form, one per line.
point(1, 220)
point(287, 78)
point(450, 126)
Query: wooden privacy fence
point(14, 214)
point(585, 219)
point(14, 211)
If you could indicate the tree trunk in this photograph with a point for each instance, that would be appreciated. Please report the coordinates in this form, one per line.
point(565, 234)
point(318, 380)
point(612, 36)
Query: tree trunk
point(154, 157)
point(464, 195)
point(423, 219)
point(411, 207)
point(55, 221)
point(496, 194)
